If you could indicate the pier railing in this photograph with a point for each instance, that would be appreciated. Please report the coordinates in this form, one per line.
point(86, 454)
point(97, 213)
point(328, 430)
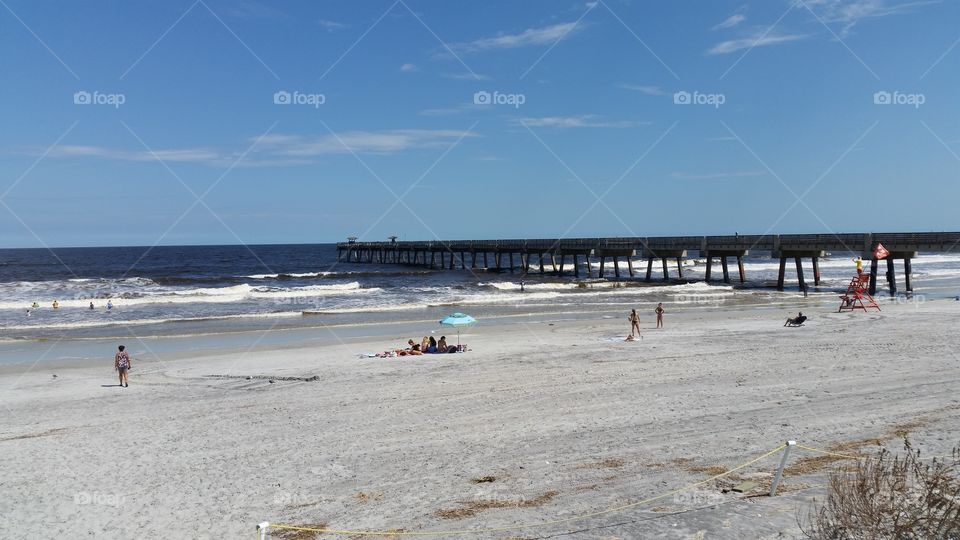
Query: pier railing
point(452, 253)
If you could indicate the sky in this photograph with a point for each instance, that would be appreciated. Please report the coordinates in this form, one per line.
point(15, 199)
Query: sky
point(171, 122)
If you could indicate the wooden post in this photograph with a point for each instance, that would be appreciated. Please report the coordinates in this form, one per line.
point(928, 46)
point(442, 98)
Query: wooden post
point(463, 260)
point(649, 267)
point(540, 257)
point(576, 265)
point(526, 266)
point(453, 256)
point(783, 270)
point(473, 259)
point(486, 263)
point(874, 263)
point(589, 267)
point(666, 272)
point(433, 257)
point(553, 261)
point(496, 259)
point(743, 275)
point(798, 260)
point(680, 267)
point(906, 273)
point(511, 262)
point(603, 260)
point(726, 269)
point(563, 259)
point(630, 265)
point(891, 277)
point(709, 266)
point(616, 266)
point(816, 271)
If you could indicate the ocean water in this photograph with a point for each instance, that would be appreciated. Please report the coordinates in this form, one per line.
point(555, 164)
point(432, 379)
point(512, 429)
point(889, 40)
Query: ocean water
point(214, 289)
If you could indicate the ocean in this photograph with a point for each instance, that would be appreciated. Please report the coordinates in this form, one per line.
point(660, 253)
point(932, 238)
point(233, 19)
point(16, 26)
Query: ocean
point(194, 290)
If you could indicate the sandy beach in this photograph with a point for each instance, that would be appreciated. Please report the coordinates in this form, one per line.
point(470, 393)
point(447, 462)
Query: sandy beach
point(542, 421)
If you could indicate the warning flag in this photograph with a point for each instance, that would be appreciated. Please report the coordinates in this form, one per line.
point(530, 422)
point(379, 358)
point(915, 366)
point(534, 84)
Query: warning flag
point(881, 252)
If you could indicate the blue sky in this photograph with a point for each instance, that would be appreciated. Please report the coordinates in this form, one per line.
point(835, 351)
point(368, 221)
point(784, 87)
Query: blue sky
point(473, 120)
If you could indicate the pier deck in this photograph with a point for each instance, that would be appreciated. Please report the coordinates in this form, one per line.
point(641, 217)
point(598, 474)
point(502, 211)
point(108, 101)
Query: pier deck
point(464, 254)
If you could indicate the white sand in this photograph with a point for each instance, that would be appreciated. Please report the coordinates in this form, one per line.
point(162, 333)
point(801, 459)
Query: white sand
point(389, 443)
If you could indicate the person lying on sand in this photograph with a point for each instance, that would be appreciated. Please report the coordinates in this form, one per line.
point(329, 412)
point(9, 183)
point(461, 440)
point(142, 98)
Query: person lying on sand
point(442, 346)
point(796, 321)
point(414, 349)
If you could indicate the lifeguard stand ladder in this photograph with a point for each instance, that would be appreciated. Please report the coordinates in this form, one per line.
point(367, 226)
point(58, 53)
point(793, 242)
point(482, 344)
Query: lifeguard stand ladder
point(857, 296)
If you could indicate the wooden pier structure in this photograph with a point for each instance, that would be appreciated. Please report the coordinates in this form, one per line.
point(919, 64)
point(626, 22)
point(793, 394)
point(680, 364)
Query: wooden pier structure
point(533, 254)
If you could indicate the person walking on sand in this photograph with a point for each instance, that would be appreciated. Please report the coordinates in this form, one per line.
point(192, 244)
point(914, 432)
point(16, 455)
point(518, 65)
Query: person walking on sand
point(659, 312)
point(634, 323)
point(121, 363)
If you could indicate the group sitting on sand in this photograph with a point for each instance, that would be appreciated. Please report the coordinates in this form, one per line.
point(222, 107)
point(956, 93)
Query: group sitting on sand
point(429, 345)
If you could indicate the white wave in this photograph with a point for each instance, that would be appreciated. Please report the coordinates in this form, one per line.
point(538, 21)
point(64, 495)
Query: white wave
point(139, 322)
point(291, 274)
point(207, 295)
point(511, 286)
point(506, 298)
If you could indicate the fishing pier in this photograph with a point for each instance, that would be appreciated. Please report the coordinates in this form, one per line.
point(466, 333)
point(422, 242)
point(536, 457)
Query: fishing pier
point(552, 255)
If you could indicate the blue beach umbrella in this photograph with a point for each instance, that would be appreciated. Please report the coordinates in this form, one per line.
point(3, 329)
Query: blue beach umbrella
point(457, 320)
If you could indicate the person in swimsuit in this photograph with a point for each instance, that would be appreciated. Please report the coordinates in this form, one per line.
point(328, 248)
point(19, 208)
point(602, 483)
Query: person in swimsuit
point(121, 362)
point(634, 322)
point(659, 312)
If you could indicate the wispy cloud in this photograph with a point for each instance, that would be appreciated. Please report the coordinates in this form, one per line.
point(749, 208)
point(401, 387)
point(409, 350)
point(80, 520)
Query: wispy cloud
point(715, 175)
point(273, 149)
point(545, 35)
point(331, 26)
point(250, 9)
point(582, 121)
point(467, 76)
point(173, 155)
point(727, 138)
point(760, 39)
point(847, 13)
point(408, 68)
point(644, 89)
point(730, 21)
point(377, 142)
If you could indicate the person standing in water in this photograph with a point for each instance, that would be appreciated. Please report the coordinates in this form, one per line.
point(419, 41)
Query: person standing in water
point(56, 304)
point(121, 362)
point(634, 323)
point(659, 312)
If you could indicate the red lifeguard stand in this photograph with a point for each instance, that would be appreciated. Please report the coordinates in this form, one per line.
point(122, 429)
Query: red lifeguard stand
point(857, 296)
